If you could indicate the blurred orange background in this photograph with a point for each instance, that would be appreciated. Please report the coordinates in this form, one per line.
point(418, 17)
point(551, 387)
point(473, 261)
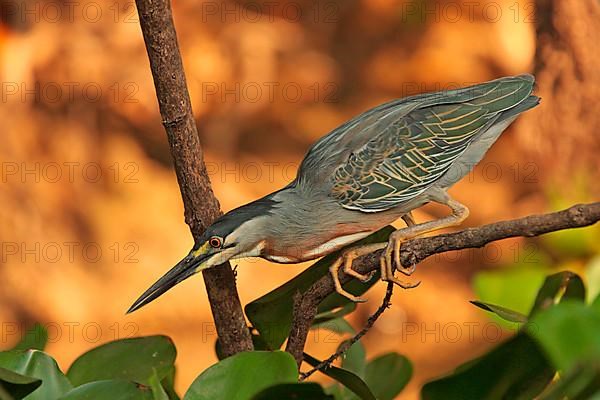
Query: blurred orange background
point(91, 212)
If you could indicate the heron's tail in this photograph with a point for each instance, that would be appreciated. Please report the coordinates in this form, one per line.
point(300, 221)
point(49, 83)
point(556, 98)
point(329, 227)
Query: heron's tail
point(527, 104)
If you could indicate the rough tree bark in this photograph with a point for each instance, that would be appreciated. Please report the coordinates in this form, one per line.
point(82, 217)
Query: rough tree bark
point(416, 250)
point(564, 131)
point(201, 206)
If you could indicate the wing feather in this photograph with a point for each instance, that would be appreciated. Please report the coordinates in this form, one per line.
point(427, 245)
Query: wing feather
point(410, 153)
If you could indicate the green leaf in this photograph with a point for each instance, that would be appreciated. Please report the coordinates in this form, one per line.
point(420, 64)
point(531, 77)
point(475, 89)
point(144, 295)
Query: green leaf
point(560, 286)
point(36, 364)
point(271, 314)
point(354, 360)
point(15, 385)
point(596, 305)
point(293, 391)
point(592, 274)
point(335, 390)
point(243, 375)
point(35, 338)
point(580, 383)
point(516, 370)
point(335, 314)
point(569, 333)
point(109, 390)
point(339, 326)
point(345, 377)
point(133, 359)
point(168, 383)
point(515, 289)
point(388, 374)
point(158, 391)
point(504, 313)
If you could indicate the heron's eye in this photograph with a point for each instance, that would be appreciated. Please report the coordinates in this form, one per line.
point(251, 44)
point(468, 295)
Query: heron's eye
point(215, 242)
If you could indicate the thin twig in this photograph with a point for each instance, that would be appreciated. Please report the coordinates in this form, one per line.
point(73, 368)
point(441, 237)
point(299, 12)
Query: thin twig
point(385, 304)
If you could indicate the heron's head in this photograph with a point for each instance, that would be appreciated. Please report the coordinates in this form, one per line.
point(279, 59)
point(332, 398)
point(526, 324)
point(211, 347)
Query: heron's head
point(237, 234)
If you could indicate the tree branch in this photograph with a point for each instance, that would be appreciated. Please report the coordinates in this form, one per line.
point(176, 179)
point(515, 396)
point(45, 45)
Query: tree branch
point(201, 206)
point(385, 304)
point(416, 250)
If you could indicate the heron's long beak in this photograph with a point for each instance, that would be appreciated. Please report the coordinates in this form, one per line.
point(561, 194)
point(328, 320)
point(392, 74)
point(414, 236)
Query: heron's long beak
point(185, 268)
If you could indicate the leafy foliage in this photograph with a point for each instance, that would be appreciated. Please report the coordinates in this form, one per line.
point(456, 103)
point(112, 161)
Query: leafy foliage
point(388, 374)
point(293, 391)
point(381, 378)
point(513, 289)
point(123, 390)
point(140, 368)
point(553, 356)
point(516, 369)
point(36, 364)
point(243, 376)
point(134, 359)
point(569, 333)
point(17, 385)
point(559, 335)
point(503, 312)
point(347, 378)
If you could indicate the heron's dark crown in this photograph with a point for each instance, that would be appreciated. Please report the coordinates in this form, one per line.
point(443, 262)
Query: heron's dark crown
point(230, 221)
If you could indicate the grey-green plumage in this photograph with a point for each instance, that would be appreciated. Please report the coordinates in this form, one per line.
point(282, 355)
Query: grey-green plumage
point(362, 176)
point(395, 152)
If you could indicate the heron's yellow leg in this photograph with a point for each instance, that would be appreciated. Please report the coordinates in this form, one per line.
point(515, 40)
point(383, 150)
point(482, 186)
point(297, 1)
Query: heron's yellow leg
point(459, 214)
point(346, 259)
point(409, 219)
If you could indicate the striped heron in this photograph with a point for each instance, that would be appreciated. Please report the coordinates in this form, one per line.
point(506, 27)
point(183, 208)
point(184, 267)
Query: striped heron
point(362, 176)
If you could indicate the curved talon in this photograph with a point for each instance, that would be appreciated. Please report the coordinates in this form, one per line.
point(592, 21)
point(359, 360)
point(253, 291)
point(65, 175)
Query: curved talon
point(357, 299)
point(338, 285)
point(348, 260)
point(388, 268)
point(397, 244)
point(403, 285)
point(370, 276)
point(407, 271)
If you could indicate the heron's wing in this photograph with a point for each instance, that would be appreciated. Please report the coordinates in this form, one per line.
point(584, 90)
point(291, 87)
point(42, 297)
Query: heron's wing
point(411, 153)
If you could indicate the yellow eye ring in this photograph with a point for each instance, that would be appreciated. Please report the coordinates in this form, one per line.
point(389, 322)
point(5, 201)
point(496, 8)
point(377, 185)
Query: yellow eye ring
point(215, 242)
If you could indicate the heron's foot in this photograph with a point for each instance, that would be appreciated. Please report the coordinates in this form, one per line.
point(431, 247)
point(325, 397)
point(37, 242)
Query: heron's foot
point(346, 259)
point(390, 261)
